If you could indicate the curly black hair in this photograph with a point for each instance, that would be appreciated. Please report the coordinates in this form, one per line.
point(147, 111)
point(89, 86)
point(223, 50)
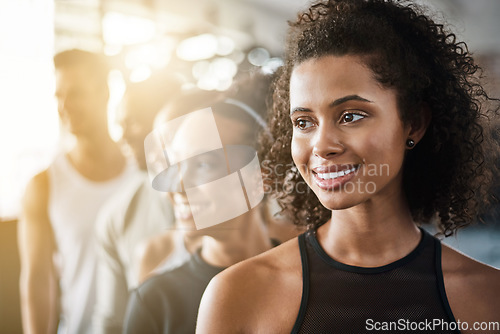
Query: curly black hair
point(448, 175)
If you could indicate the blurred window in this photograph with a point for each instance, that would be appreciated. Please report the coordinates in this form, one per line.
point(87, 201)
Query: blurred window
point(28, 114)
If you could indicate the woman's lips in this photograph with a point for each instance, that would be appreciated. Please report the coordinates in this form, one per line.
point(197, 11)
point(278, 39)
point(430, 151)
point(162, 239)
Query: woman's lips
point(327, 179)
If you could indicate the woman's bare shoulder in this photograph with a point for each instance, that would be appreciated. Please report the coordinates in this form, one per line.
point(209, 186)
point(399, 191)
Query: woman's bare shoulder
point(472, 287)
point(250, 295)
point(281, 260)
point(262, 271)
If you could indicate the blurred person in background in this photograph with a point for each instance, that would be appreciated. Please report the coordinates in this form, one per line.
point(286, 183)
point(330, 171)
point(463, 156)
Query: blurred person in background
point(136, 212)
point(168, 302)
point(172, 247)
point(56, 228)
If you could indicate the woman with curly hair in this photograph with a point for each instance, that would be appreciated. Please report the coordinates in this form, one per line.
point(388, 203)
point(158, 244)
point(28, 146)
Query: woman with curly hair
point(378, 111)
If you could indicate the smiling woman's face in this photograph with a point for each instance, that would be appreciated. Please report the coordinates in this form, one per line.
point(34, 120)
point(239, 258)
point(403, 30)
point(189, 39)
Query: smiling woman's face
point(205, 165)
point(348, 138)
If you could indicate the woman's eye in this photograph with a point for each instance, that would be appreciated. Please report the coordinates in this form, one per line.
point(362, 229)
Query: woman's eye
point(351, 117)
point(302, 124)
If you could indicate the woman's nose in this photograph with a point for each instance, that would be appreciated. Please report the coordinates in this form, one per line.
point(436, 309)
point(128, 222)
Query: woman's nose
point(327, 141)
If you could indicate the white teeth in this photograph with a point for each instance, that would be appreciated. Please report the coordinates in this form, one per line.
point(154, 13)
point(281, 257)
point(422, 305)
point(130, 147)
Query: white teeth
point(334, 175)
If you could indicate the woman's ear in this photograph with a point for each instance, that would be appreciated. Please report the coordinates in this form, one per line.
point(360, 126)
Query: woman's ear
point(419, 125)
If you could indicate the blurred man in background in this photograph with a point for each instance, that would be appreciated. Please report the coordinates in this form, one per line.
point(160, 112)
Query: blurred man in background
point(56, 228)
point(136, 212)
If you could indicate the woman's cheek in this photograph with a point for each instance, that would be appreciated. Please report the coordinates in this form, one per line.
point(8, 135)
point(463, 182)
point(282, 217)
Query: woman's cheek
point(297, 151)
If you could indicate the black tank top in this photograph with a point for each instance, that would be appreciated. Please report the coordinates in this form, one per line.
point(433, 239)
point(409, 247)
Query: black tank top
point(402, 297)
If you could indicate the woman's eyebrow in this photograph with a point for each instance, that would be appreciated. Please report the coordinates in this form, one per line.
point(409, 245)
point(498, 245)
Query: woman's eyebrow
point(335, 103)
point(299, 109)
point(344, 99)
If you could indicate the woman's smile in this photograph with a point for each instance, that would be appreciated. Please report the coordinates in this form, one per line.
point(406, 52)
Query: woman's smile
point(335, 176)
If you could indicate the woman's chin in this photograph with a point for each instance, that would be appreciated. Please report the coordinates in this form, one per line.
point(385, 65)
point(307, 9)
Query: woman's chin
point(338, 202)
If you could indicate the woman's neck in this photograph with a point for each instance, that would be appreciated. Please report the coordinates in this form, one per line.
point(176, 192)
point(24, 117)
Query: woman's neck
point(370, 234)
point(238, 240)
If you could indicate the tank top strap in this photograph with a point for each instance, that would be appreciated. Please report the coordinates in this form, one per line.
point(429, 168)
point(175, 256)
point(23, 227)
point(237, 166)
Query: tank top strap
point(305, 283)
point(440, 280)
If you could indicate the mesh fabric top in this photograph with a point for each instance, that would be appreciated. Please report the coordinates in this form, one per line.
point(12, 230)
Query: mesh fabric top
point(394, 298)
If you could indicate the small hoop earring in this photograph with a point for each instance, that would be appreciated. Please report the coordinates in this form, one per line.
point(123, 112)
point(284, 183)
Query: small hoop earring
point(410, 143)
